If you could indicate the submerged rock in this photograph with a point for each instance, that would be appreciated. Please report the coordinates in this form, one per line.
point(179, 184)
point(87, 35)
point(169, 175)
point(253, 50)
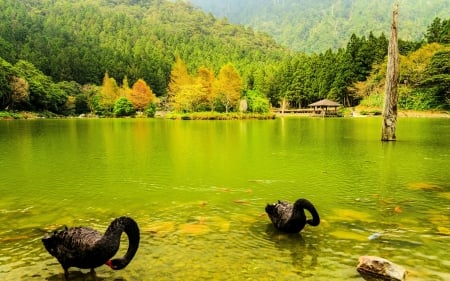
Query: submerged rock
point(374, 268)
point(426, 186)
point(351, 215)
point(374, 236)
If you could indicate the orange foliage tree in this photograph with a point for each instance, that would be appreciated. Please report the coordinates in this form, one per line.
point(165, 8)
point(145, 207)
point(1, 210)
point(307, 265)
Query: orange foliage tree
point(141, 95)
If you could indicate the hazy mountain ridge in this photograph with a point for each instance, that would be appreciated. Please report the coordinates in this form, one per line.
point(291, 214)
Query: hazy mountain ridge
point(315, 26)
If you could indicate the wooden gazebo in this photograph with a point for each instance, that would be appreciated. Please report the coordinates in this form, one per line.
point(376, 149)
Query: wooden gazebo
point(325, 108)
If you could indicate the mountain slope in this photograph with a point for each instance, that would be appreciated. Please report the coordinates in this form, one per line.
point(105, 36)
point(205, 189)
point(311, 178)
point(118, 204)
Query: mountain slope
point(315, 26)
point(80, 40)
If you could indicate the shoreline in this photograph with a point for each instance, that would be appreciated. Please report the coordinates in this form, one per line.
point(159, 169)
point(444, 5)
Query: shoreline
point(347, 113)
point(400, 114)
point(423, 114)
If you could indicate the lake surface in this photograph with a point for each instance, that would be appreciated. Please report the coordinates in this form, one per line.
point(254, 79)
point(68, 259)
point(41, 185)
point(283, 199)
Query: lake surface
point(198, 190)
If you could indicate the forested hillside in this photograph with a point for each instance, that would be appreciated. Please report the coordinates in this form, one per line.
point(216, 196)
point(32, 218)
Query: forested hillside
point(315, 26)
point(80, 40)
point(116, 57)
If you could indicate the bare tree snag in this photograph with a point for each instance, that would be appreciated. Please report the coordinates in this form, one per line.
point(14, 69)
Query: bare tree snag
point(392, 74)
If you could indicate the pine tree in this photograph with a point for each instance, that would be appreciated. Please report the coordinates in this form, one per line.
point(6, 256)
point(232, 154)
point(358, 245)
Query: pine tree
point(434, 31)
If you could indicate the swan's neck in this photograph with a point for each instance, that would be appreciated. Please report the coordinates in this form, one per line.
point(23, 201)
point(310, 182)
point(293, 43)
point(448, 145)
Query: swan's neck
point(130, 227)
point(302, 204)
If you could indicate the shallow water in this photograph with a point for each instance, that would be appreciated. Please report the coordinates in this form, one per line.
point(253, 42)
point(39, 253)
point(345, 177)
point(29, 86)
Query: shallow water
point(198, 190)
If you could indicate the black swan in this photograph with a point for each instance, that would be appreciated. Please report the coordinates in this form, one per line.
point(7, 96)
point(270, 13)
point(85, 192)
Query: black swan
point(84, 247)
point(291, 218)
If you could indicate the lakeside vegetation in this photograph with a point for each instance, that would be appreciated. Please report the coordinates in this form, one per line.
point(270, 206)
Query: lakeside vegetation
point(66, 58)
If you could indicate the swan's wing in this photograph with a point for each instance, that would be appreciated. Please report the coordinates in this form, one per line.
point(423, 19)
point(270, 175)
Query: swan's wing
point(280, 213)
point(75, 243)
point(80, 238)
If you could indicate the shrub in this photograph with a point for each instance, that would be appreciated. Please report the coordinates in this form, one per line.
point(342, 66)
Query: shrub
point(374, 100)
point(123, 107)
point(150, 110)
point(257, 103)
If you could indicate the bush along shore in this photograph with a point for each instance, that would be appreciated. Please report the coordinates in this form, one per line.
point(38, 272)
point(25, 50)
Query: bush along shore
point(8, 115)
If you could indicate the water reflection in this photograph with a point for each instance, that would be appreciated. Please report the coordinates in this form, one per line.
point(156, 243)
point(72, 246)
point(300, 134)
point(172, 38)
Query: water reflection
point(304, 254)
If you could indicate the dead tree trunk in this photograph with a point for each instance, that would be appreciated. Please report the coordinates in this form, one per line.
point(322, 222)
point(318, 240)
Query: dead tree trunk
point(283, 105)
point(391, 94)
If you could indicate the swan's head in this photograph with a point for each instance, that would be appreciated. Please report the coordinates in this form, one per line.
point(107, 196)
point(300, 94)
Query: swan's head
point(50, 244)
point(51, 241)
point(273, 205)
point(270, 208)
point(110, 264)
point(117, 264)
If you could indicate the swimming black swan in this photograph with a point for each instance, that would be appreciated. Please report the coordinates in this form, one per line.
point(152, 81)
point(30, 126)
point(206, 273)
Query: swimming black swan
point(84, 247)
point(291, 218)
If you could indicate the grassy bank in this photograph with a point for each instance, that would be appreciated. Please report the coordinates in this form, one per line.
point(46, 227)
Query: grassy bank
point(7, 115)
point(219, 116)
point(376, 111)
point(358, 111)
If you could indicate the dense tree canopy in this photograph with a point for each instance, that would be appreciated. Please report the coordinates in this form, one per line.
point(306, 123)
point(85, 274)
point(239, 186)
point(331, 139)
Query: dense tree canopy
point(314, 26)
point(80, 40)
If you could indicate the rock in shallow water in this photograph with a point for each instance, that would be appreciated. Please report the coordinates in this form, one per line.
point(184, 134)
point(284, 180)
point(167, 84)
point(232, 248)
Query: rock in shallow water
point(374, 268)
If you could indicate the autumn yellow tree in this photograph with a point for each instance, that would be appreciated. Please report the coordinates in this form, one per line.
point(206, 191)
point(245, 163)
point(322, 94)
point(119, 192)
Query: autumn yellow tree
point(109, 93)
point(229, 86)
point(141, 95)
point(125, 89)
point(413, 66)
point(189, 98)
point(205, 78)
point(179, 77)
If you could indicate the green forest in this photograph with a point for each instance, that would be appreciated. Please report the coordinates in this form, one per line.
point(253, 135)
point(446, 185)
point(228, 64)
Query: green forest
point(315, 26)
point(112, 57)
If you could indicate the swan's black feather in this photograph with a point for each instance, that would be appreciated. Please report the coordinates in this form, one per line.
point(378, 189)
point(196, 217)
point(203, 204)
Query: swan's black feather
point(84, 247)
point(291, 218)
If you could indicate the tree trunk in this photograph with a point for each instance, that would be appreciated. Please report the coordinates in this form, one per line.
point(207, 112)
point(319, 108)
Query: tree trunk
point(392, 74)
point(283, 105)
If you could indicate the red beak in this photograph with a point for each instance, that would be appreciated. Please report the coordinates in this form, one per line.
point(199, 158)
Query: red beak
point(109, 263)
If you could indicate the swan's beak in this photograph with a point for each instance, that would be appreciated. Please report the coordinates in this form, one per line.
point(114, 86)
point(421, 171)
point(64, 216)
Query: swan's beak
point(109, 263)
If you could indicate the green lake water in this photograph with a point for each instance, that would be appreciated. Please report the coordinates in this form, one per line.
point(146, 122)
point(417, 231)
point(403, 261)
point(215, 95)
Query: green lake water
point(198, 190)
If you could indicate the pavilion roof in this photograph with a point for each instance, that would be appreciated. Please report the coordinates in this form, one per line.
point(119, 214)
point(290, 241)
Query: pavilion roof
point(325, 102)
